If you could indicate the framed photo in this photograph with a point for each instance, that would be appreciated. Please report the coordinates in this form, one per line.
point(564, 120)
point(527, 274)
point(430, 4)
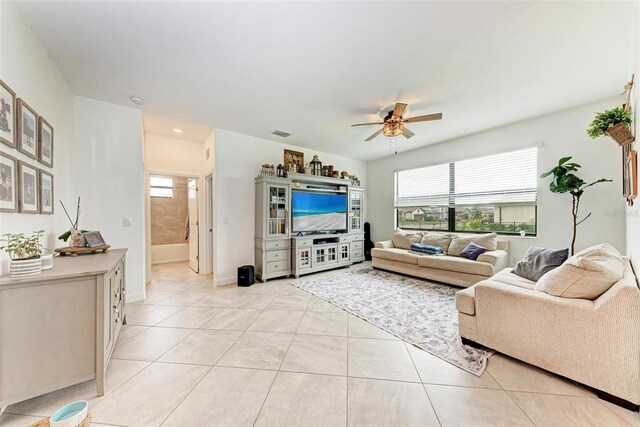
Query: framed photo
point(45, 142)
point(93, 238)
point(294, 157)
point(28, 188)
point(46, 192)
point(8, 133)
point(27, 130)
point(8, 183)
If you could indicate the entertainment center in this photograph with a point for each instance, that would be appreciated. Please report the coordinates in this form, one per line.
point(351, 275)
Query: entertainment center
point(307, 223)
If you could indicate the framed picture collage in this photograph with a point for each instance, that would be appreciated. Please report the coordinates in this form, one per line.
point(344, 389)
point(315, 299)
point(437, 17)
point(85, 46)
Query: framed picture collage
point(24, 186)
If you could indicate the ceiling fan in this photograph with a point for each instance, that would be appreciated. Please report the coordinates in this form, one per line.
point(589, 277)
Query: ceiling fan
point(393, 124)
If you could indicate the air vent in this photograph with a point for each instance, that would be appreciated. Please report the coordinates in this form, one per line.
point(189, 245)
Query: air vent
point(281, 134)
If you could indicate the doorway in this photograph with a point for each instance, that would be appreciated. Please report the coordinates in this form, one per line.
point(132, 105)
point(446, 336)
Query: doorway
point(173, 219)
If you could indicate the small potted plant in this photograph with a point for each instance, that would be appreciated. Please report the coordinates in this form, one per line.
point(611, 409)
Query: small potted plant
point(24, 251)
point(615, 123)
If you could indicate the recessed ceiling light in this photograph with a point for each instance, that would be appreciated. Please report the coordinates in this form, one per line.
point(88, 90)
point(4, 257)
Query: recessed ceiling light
point(177, 130)
point(136, 100)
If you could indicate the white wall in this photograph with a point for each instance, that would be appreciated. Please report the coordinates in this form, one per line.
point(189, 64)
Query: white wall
point(237, 162)
point(108, 176)
point(563, 134)
point(633, 212)
point(27, 68)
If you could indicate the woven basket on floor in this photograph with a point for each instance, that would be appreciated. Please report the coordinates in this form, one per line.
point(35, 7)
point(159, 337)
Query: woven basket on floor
point(45, 422)
point(621, 134)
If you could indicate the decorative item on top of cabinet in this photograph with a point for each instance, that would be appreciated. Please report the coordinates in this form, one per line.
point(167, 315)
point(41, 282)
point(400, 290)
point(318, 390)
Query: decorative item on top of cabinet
point(316, 166)
point(24, 251)
point(294, 161)
point(74, 235)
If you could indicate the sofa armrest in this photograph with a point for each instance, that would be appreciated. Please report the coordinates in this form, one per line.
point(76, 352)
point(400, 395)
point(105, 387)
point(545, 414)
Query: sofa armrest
point(387, 244)
point(498, 258)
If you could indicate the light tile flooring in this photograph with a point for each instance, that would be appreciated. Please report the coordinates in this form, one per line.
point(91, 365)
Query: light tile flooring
point(271, 354)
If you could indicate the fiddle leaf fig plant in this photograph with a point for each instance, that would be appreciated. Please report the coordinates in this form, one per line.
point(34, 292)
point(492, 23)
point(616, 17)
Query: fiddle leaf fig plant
point(566, 181)
point(605, 121)
point(19, 246)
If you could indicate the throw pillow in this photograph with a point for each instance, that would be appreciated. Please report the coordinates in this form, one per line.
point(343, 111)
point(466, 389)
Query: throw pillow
point(458, 243)
point(440, 240)
point(403, 239)
point(538, 261)
point(426, 249)
point(588, 274)
point(472, 251)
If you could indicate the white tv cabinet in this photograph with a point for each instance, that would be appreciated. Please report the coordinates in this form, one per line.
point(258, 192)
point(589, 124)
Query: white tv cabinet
point(278, 253)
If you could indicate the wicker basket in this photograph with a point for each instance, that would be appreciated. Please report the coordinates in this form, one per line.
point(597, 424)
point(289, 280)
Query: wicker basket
point(621, 134)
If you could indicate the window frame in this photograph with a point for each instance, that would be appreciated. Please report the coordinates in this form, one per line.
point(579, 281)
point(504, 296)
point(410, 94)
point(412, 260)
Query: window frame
point(451, 209)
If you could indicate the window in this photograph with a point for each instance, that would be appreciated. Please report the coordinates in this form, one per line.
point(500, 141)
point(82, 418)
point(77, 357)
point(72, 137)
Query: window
point(492, 193)
point(161, 187)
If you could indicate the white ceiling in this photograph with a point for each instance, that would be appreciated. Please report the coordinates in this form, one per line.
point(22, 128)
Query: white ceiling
point(314, 68)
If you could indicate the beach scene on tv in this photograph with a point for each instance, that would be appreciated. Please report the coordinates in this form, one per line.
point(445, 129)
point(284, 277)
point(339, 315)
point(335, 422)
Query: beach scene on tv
point(318, 212)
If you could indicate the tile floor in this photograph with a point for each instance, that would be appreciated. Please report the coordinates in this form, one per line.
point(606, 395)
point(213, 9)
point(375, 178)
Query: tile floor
point(271, 354)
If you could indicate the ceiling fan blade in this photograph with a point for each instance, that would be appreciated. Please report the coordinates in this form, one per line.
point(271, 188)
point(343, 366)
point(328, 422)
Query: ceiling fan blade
point(407, 133)
point(374, 135)
point(428, 117)
point(399, 109)
point(367, 124)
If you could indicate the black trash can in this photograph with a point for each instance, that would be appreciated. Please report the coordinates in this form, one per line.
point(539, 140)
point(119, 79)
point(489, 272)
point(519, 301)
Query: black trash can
point(245, 275)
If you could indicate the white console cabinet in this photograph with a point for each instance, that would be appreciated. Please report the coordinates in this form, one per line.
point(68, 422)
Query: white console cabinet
point(279, 254)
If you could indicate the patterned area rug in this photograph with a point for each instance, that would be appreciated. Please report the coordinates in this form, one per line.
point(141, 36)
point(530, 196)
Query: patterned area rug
point(417, 311)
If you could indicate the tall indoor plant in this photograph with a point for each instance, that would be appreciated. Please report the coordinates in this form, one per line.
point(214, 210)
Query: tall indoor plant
point(566, 181)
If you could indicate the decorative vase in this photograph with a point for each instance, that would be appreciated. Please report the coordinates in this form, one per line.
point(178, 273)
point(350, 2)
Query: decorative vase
point(47, 260)
point(76, 240)
point(621, 134)
point(25, 267)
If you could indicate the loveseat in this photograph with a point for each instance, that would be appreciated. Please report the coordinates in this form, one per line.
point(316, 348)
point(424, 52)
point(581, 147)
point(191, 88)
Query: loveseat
point(395, 255)
point(594, 341)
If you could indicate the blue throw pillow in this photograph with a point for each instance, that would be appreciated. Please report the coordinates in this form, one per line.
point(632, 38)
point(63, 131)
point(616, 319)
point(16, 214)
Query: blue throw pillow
point(426, 249)
point(473, 251)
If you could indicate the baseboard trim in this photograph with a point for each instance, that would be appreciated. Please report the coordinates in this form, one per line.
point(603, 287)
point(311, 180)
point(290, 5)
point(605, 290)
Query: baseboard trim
point(168, 261)
point(135, 297)
point(221, 281)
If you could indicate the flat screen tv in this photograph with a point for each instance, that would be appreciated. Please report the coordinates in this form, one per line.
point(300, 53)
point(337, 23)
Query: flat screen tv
point(313, 212)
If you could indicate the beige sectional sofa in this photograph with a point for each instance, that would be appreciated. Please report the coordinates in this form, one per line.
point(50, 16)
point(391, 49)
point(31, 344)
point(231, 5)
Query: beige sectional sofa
point(450, 269)
point(594, 342)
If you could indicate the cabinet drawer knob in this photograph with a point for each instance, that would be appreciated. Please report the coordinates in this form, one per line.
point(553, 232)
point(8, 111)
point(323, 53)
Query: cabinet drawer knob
point(116, 309)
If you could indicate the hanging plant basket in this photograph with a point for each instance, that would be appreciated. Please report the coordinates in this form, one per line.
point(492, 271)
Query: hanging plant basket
point(621, 134)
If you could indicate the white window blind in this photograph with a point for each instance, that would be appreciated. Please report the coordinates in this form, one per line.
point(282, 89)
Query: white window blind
point(423, 187)
point(499, 179)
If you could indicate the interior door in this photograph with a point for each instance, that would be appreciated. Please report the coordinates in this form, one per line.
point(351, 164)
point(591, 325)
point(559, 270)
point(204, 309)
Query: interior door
point(193, 225)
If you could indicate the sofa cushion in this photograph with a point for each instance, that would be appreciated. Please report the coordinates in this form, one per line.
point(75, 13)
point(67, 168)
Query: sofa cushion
point(587, 274)
point(472, 251)
point(466, 300)
point(404, 239)
point(441, 240)
point(538, 261)
point(396, 254)
point(508, 278)
point(458, 243)
point(460, 265)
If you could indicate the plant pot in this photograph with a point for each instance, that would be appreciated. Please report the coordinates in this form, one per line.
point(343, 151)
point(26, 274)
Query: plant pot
point(621, 134)
point(47, 260)
point(25, 267)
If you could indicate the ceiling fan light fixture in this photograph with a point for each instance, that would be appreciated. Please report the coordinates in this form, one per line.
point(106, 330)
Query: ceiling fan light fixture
point(393, 129)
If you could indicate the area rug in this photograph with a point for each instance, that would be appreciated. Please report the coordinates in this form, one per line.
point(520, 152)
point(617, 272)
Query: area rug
point(420, 312)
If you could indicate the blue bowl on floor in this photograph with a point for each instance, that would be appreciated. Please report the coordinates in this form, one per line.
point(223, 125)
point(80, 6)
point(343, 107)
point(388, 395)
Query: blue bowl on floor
point(70, 415)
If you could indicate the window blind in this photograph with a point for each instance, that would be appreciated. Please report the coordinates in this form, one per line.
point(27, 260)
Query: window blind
point(423, 187)
point(499, 179)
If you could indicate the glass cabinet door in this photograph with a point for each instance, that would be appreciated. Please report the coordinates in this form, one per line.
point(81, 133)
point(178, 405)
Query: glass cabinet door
point(304, 258)
point(355, 210)
point(277, 215)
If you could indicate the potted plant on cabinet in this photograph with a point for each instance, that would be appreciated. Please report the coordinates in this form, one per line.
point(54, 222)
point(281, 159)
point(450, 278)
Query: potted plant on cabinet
point(24, 252)
point(615, 123)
